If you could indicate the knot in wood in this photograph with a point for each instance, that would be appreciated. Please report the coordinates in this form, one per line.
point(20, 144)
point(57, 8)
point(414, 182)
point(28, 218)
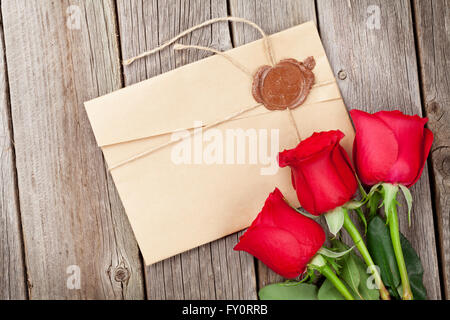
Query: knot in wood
point(433, 107)
point(121, 274)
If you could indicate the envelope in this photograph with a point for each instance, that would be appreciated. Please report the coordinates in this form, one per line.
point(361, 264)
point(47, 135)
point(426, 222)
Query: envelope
point(214, 181)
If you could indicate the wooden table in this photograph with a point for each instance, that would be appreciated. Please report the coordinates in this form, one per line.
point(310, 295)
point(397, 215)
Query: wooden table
point(59, 209)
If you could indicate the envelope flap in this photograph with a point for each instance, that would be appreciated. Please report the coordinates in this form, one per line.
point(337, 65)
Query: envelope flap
point(208, 90)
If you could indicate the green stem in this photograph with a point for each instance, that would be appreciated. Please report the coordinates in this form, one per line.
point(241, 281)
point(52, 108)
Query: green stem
point(359, 243)
point(395, 238)
point(330, 275)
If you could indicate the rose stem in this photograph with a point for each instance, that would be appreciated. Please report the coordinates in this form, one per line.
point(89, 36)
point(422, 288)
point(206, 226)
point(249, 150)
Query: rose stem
point(395, 238)
point(330, 275)
point(359, 243)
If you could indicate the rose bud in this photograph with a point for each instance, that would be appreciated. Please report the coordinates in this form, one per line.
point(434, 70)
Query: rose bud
point(282, 238)
point(390, 147)
point(322, 173)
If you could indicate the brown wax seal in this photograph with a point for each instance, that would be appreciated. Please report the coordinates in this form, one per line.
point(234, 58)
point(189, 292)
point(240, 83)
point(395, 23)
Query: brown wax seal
point(286, 85)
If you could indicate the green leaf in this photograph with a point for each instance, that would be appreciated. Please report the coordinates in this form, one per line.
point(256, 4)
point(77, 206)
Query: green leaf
point(364, 273)
point(332, 254)
point(374, 189)
point(304, 213)
point(281, 291)
point(373, 204)
point(362, 218)
point(333, 264)
point(408, 198)
point(349, 269)
point(382, 252)
point(390, 198)
point(384, 257)
point(311, 275)
point(363, 290)
point(329, 292)
point(352, 205)
point(335, 220)
point(414, 269)
point(338, 245)
point(361, 188)
point(350, 273)
point(395, 292)
point(317, 262)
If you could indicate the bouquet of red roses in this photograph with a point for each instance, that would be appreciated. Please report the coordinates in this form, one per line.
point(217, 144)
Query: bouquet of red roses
point(389, 154)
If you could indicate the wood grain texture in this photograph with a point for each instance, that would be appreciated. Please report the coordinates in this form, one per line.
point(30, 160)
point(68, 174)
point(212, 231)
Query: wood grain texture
point(67, 204)
point(70, 215)
point(272, 16)
point(433, 31)
point(379, 71)
point(12, 269)
point(212, 271)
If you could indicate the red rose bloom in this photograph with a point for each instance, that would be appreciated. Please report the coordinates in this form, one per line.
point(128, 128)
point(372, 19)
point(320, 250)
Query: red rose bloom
point(282, 238)
point(322, 173)
point(390, 147)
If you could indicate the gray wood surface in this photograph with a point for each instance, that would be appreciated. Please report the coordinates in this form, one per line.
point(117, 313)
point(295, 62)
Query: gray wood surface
point(379, 71)
point(55, 190)
point(213, 271)
point(272, 16)
point(70, 214)
point(433, 32)
point(12, 272)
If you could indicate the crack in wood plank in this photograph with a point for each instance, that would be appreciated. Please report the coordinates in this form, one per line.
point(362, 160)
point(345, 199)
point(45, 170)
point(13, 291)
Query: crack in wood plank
point(272, 16)
point(214, 270)
point(70, 212)
point(382, 73)
point(433, 29)
point(12, 260)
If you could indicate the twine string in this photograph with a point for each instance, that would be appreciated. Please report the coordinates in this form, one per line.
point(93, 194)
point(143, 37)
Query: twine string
point(216, 123)
point(161, 146)
point(267, 45)
point(238, 65)
point(294, 124)
point(270, 56)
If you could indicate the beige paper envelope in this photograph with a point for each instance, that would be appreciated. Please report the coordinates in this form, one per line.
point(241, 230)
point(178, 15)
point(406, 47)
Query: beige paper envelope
point(214, 183)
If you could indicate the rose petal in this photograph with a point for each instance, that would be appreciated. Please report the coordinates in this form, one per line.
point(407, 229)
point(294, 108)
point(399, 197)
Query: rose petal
point(310, 146)
point(320, 184)
point(376, 147)
point(409, 133)
point(271, 205)
point(305, 230)
point(278, 213)
point(346, 173)
point(276, 248)
point(428, 141)
point(282, 238)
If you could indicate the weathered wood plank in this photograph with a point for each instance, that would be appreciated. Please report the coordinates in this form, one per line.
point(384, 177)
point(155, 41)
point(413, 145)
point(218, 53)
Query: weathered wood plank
point(378, 69)
point(433, 30)
point(272, 16)
point(12, 269)
point(213, 271)
point(57, 59)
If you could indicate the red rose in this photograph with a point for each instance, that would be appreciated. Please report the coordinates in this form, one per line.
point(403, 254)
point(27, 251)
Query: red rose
point(322, 173)
point(282, 238)
point(390, 147)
